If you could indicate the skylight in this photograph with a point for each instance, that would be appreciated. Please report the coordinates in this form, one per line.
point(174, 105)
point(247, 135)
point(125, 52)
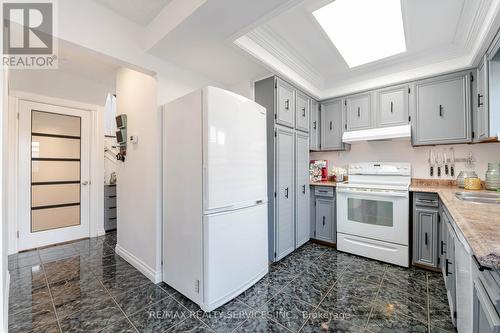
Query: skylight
point(363, 30)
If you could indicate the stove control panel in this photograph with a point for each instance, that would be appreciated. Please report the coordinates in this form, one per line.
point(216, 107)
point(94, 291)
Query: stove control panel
point(380, 168)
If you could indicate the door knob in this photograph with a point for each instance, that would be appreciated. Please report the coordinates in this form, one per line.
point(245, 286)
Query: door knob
point(85, 182)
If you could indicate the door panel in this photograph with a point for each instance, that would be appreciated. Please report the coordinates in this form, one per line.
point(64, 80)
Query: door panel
point(285, 241)
point(482, 108)
point(359, 115)
point(314, 130)
point(324, 220)
point(244, 231)
point(54, 157)
point(302, 111)
point(302, 192)
point(332, 125)
point(285, 107)
point(442, 110)
point(392, 107)
point(234, 145)
point(425, 232)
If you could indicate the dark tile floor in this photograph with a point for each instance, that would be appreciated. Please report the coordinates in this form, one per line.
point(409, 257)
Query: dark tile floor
point(85, 287)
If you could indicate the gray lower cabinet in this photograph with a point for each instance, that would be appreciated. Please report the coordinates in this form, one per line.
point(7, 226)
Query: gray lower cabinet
point(302, 111)
point(425, 229)
point(284, 215)
point(285, 104)
point(425, 237)
point(442, 110)
point(485, 318)
point(314, 126)
point(325, 221)
point(449, 269)
point(302, 223)
point(332, 125)
point(359, 111)
point(392, 106)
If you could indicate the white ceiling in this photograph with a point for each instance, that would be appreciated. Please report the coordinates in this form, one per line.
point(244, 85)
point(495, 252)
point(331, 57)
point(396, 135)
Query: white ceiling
point(203, 41)
point(141, 12)
point(436, 32)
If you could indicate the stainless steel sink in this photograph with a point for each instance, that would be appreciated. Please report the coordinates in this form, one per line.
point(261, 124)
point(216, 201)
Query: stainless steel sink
point(491, 198)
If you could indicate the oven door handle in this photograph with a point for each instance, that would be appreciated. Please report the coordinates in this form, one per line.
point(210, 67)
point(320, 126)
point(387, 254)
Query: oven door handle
point(402, 194)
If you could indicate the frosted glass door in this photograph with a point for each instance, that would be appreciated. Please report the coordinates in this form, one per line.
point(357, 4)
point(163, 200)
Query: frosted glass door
point(55, 170)
point(54, 174)
point(234, 152)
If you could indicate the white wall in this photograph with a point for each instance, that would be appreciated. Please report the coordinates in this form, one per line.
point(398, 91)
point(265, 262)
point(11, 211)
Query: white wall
point(56, 83)
point(402, 151)
point(139, 177)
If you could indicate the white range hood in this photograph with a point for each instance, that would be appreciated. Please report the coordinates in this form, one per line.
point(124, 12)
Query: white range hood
point(385, 133)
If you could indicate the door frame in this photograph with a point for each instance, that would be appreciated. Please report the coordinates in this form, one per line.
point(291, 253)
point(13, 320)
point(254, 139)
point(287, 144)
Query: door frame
point(96, 202)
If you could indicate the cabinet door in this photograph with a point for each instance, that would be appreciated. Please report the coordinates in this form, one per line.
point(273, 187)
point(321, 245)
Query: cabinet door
point(325, 220)
point(332, 125)
point(481, 125)
point(285, 107)
point(302, 224)
point(284, 242)
point(302, 111)
point(442, 110)
point(485, 318)
point(314, 131)
point(359, 112)
point(312, 213)
point(425, 237)
point(392, 106)
point(463, 278)
point(450, 281)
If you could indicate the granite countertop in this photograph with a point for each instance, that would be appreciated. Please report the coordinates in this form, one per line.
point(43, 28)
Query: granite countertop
point(479, 223)
point(324, 183)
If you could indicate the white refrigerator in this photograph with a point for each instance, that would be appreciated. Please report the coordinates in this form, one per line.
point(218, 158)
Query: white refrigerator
point(214, 195)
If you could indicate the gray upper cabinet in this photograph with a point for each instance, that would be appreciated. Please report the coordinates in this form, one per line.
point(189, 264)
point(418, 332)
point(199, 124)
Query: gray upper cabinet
point(285, 231)
point(285, 108)
point(302, 192)
point(481, 119)
point(359, 112)
point(314, 127)
point(302, 111)
point(392, 106)
point(332, 125)
point(442, 110)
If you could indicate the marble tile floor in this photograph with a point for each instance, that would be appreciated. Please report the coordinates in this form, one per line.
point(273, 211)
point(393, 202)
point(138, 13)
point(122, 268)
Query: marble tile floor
point(85, 287)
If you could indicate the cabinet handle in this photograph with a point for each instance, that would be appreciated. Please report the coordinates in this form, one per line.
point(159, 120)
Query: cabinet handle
point(314, 124)
point(359, 112)
point(324, 218)
point(440, 110)
point(392, 107)
point(479, 103)
point(331, 125)
point(303, 112)
point(426, 239)
point(287, 104)
point(303, 189)
point(442, 247)
point(446, 272)
point(322, 191)
point(286, 193)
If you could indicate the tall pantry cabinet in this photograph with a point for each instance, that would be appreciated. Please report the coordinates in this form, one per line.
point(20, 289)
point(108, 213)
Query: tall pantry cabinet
point(288, 118)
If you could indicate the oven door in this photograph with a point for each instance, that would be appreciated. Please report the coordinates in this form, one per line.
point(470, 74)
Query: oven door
point(373, 213)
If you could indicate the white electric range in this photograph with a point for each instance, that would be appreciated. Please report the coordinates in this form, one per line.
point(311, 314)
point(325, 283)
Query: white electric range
point(372, 211)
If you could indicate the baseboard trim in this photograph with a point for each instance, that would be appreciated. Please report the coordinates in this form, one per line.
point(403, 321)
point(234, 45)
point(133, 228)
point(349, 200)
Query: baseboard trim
point(101, 232)
point(150, 273)
point(5, 315)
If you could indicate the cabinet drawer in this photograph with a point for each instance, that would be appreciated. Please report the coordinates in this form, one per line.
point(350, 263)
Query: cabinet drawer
point(109, 190)
point(426, 200)
point(109, 202)
point(109, 213)
point(324, 191)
